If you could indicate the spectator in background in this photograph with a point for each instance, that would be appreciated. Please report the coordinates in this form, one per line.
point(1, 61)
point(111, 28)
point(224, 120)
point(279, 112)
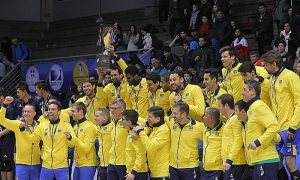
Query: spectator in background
point(285, 34)
point(289, 17)
point(42, 90)
point(5, 65)
point(195, 18)
point(118, 38)
point(19, 50)
point(297, 62)
point(204, 26)
point(281, 6)
point(163, 10)
point(254, 58)
point(6, 48)
point(187, 77)
point(170, 60)
point(157, 66)
point(133, 38)
point(215, 9)
point(215, 44)
point(107, 79)
point(205, 8)
point(147, 39)
point(287, 60)
point(203, 57)
point(263, 29)
point(223, 28)
point(240, 44)
point(187, 53)
point(297, 68)
point(223, 5)
point(174, 15)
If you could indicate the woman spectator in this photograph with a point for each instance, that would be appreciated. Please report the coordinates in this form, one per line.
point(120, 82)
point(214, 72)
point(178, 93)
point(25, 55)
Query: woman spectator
point(195, 17)
point(147, 39)
point(285, 34)
point(204, 27)
point(133, 39)
point(240, 44)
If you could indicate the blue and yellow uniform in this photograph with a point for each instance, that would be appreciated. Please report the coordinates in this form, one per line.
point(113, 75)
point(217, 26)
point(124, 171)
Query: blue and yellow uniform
point(193, 96)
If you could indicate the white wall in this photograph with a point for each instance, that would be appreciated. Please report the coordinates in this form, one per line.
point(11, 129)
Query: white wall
point(22, 10)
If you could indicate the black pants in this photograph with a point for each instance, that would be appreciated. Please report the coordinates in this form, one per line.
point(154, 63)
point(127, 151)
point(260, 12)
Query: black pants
point(163, 10)
point(264, 45)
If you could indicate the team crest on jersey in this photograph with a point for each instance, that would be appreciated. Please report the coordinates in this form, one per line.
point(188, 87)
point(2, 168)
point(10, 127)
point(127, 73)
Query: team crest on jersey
point(250, 113)
point(217, 134)
point(174, 127)
point(59, 130)
point(235, 72)
point(161, 95)
point(80, 130)
point(187, 95)
point(113, 94)
point(190, 128)
point(45, 133)
point(104, 128)
point(280, 82)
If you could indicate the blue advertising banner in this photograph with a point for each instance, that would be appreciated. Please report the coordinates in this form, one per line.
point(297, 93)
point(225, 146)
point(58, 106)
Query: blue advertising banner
point(59, 76)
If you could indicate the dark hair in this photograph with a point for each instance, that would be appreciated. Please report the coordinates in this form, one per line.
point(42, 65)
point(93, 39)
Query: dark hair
point(134, 27)
point(22, 86)
point(282, 42)
point(227, 99)
point(88, 80)
point(80, 106)
point(214, 113)
point(131, 115)
point(2, 92)
point(262, 4)
point(252, 84)
point(166, 77)
point(59, 107)
point(180, 74)
point(254, 53)
point(247, 66)
point(241, 105)
point(272, 57)
point(166, 48)
point(231, 50)
point(117, 68)
point(120, 102)
point(41, 85)
point(183, 107)
point(132, 69)
point(213, 73)
point(153, 76)
point(157, 111)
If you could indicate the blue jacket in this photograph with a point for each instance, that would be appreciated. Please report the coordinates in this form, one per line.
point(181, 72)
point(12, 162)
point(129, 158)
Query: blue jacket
point(20, 51)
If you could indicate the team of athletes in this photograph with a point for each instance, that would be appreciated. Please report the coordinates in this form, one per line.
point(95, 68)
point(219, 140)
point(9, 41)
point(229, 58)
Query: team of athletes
point(161, 128)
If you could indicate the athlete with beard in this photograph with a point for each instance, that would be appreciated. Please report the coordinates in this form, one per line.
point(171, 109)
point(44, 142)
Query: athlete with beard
point(188, 93)
point(92, 100)
point(116, 89)
point(138, 88)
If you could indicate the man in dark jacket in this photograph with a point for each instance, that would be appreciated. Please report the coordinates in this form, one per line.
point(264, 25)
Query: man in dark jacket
point(263, 29)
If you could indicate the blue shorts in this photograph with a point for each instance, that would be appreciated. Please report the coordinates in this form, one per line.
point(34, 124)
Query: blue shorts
point(288, 147)
point(87, 172)
point(265, 171)
point(58, 174)
point(28, 172)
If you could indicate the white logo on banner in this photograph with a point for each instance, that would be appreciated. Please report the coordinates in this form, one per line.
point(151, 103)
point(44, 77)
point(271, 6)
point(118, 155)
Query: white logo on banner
point(32, 76)
point(56, 77)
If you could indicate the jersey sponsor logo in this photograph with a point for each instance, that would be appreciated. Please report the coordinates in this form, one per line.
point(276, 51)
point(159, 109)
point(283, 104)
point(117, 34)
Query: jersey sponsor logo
point(235, 72)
